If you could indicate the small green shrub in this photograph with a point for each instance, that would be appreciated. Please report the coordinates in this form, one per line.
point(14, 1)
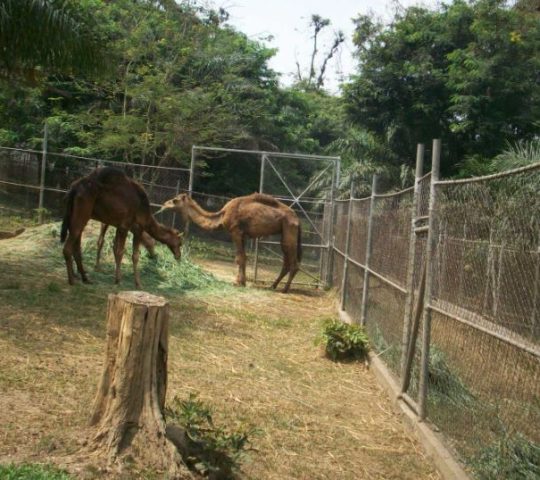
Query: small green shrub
point(32, 472)
point(511, 458)
point(210, 450)
point(344, 341)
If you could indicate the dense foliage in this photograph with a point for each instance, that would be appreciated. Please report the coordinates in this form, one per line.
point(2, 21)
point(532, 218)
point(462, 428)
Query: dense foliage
point(171, 74)
point(467, 73)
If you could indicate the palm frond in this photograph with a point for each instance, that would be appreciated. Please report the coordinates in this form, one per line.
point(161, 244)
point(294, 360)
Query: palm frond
point(49, 35)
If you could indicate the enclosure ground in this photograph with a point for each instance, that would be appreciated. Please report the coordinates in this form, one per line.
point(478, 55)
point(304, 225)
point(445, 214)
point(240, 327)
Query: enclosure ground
point(249, 353)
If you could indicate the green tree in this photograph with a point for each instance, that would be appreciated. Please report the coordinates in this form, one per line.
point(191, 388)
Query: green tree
point(465, 72)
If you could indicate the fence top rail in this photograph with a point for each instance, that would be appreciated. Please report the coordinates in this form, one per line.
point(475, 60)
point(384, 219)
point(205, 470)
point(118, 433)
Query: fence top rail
point(393, 194)
point(507, 173)
point(270, 154)
point(283, 198)
point(78, 157)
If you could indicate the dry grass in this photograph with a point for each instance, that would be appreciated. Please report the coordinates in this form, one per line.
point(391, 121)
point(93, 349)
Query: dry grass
point(249, 353)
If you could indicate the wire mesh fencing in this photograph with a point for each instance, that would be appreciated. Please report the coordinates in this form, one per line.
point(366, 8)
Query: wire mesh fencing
point(448, 290)
point(305, 183)
point(37, 181)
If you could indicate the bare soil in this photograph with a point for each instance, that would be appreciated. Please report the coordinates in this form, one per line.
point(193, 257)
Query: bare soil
point(249, 353)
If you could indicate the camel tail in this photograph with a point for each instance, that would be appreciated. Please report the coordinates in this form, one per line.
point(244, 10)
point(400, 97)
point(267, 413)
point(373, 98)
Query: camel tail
point(299, 244)
point(67, 215)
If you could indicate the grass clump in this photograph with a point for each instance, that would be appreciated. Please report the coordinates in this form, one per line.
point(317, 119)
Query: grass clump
point(343, 341)
point(32, 472)
point(444, 384)
point(208, 449)
point(511, 458)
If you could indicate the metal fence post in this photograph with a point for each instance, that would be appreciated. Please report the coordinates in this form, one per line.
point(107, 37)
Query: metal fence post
point(261, 188)
point(412, 255)
point(43, 168)
point(330, 261)
point(347, 248)
point(430, 266)
point(190, 186)
point(191, 171)
point(174, 211)
point(368, 251)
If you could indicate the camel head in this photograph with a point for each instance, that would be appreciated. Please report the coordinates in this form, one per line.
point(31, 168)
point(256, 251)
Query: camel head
point(174, 242)
point(179, 204)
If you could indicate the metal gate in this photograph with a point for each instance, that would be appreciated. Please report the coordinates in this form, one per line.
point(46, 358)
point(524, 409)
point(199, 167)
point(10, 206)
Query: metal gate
point(306, 183)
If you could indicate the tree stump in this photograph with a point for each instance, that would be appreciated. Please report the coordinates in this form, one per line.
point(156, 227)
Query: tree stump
point(128, 408)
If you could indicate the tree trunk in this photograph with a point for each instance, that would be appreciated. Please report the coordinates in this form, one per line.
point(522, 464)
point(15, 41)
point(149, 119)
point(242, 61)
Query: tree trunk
point(128, 408)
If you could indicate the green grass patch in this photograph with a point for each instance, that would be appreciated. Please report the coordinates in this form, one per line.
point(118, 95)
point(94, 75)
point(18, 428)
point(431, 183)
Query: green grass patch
point(32, 472)
point(511, 458)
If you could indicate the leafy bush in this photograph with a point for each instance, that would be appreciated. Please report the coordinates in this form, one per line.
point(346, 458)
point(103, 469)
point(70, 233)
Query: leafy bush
point(511, 458)
point(210, 450)
point(344, 341)
point(32, 472)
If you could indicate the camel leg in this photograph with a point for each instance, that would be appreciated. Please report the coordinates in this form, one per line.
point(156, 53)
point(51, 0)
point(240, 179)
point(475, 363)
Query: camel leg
point(100, 241)
point(288, 244)
point(135, 256)
point(284, 269)
point(119, 244)
point(149, 243)
point(77, 253)
point(238, 240)
point(68, 257)
point(79, 217)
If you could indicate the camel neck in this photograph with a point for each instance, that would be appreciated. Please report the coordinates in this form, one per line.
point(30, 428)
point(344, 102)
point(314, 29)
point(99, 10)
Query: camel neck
point(203, 218)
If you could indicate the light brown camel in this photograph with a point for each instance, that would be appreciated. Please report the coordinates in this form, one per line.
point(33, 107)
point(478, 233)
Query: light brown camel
point(146, 240)
point(109, 196)
point(256, 215)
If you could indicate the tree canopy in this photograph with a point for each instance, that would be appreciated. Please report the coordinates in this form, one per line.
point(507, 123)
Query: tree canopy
point(467, 72)
point(180, 75)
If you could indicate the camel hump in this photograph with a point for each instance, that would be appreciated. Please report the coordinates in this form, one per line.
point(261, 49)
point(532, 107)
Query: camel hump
point(110, 176)
point(266, 199)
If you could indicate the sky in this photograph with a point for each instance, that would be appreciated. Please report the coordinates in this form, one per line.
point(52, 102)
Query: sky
point(287, 21)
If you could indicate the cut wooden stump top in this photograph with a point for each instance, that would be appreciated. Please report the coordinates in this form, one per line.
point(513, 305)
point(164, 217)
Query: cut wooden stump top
point(140, 298)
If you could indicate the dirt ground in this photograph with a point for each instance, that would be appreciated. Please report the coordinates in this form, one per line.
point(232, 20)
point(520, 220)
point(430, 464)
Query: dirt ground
point(249, 353)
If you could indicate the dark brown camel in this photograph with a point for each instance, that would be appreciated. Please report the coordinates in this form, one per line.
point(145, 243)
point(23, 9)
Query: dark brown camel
point(256, 215)
point(146, 240)
point(109, 196)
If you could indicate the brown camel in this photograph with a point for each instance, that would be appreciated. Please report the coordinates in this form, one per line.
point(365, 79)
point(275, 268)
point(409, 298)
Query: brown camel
point(147, 241)
point(256, 215)
point(109, 196)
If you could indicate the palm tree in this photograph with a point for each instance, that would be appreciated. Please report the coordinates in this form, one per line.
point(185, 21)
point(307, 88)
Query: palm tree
point(51, 36)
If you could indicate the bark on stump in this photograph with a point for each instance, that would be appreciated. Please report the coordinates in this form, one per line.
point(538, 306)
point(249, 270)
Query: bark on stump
point(128, 408)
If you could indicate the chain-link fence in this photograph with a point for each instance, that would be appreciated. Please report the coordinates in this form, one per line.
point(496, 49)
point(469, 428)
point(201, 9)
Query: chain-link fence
point(446, 279)
point(306, 183)
point(36, 181)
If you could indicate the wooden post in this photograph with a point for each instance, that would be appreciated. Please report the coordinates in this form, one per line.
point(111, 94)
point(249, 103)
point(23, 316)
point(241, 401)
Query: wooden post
point(412, 254)
point(430, 270)
point(365, 289)
point(128, 408)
